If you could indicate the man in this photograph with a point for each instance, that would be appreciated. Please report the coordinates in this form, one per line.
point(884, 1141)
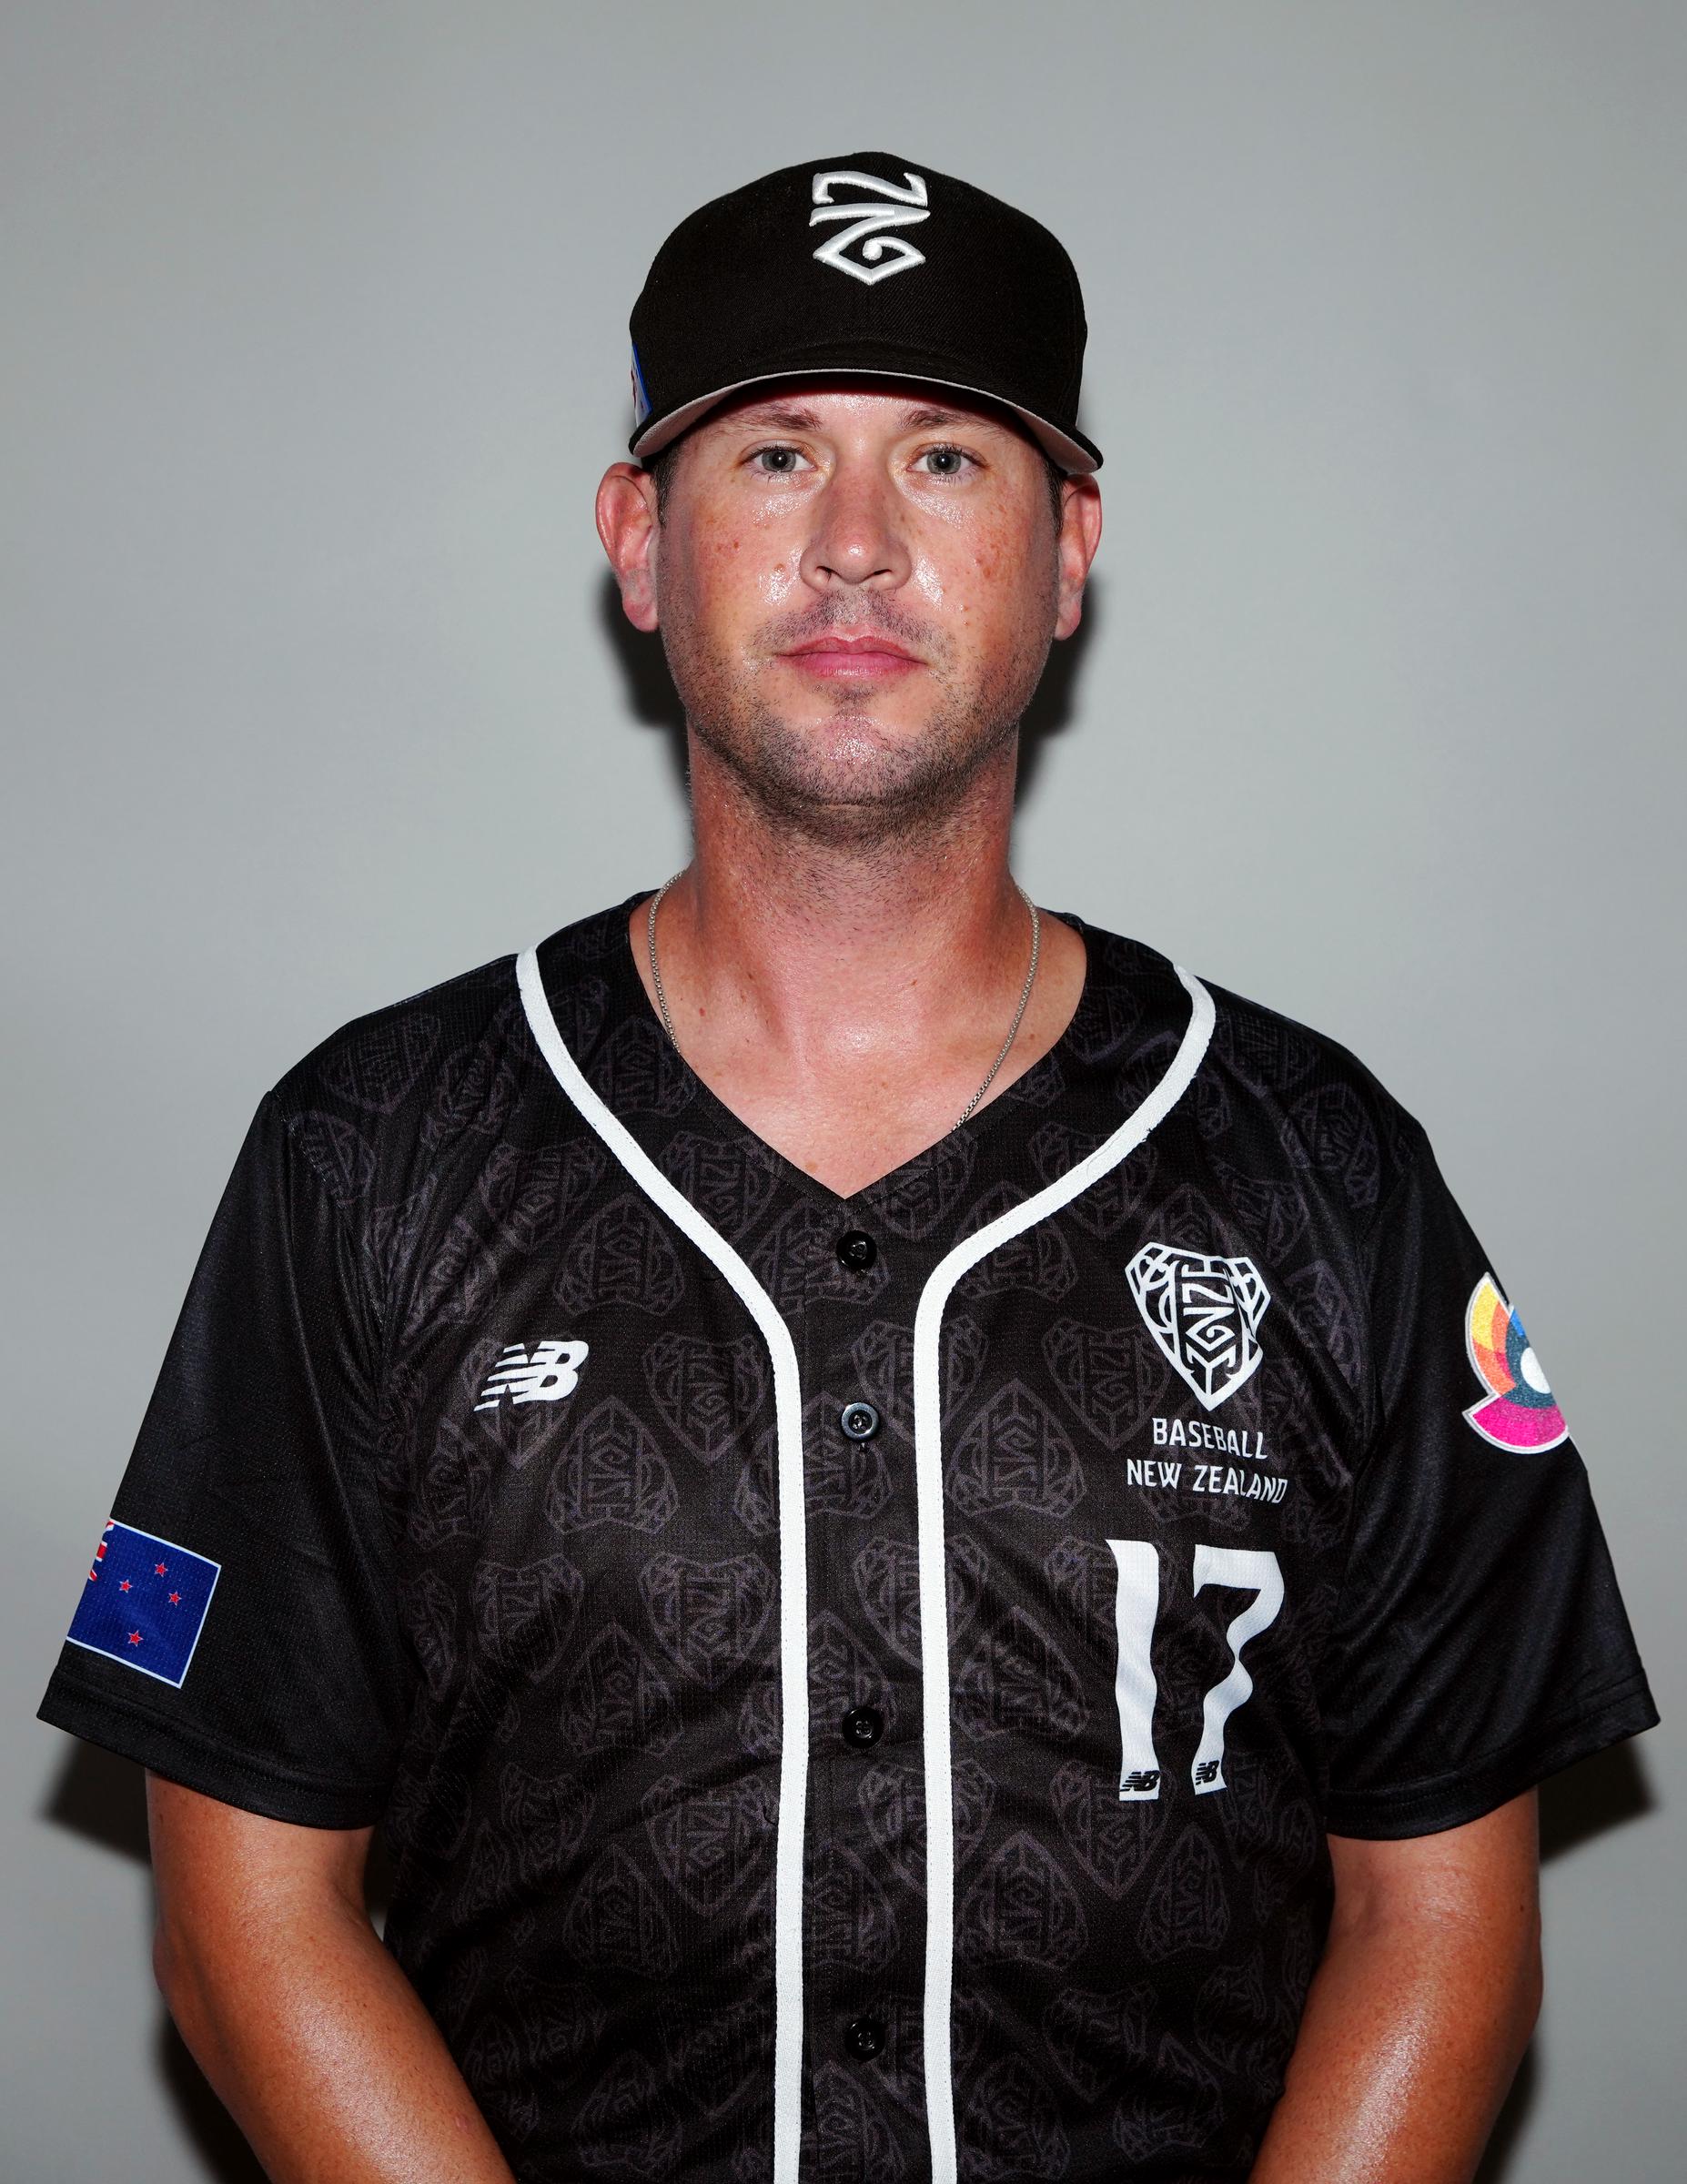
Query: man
point(933, 1541)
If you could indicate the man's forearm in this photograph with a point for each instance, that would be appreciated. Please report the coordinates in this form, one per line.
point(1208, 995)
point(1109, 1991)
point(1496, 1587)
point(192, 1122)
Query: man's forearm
point(323, 2053)
point(1412, 2032)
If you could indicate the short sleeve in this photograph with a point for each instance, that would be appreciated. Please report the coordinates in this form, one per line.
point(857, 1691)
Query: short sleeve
point(236, 1630)
point(1480, 1642)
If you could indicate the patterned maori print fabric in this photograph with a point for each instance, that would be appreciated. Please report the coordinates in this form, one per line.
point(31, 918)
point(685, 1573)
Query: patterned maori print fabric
point(486, 1449)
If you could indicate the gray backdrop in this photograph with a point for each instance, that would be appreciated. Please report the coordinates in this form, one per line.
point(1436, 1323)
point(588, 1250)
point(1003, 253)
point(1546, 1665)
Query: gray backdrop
point(314, 349)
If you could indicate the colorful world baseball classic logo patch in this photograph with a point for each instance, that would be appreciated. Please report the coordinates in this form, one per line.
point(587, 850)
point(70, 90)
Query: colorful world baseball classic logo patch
point(1519, 1412)
point(1205, 1314)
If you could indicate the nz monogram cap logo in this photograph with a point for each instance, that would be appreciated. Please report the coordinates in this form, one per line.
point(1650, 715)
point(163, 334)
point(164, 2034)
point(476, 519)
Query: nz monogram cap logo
point(543, 1375)
point(1205, 1314)
point(882, 254)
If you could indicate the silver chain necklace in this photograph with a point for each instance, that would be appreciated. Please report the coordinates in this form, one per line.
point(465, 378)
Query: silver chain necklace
point(1013, 1029)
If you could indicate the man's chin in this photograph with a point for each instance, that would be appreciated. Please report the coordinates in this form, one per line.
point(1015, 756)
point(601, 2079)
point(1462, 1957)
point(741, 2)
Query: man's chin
point(854, 773)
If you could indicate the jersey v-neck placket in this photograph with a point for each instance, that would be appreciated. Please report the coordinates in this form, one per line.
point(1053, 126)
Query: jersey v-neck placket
point(815, 2011)
point(868, 1919)
point(861, 1924)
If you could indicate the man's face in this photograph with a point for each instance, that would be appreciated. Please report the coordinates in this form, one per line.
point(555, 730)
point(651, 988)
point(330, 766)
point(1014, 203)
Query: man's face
point(856, 589)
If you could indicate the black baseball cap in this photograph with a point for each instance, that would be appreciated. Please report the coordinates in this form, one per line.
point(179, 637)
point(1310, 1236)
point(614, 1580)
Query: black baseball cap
point(868, 265)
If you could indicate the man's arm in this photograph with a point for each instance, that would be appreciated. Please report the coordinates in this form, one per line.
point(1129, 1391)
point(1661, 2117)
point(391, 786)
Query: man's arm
point(310, 2033)
point(1421, 2011)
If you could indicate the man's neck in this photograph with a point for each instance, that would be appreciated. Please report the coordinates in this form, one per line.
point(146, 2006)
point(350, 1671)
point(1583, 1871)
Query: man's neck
point(846, 993)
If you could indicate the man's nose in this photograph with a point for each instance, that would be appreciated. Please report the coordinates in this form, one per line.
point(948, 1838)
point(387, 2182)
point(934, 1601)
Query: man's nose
point(858, 536)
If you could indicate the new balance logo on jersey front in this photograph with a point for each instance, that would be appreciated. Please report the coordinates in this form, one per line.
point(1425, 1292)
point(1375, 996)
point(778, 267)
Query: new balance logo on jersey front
point(543, 1375)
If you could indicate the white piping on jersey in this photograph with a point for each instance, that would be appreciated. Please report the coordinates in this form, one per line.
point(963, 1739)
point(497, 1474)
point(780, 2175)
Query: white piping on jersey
point(933, 1594)
point(794, 1554)
point(792, 1561)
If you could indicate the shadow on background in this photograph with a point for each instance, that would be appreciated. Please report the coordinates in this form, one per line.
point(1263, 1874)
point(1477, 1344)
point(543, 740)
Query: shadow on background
point(223, 2153)
point(653, 701)
point(1604, 1792)
point(103, 1798)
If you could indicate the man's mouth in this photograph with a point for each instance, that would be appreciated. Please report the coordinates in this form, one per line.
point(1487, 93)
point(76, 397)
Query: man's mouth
point(843, 652)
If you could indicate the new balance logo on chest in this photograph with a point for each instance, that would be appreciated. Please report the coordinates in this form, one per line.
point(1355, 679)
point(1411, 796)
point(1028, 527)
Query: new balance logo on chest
point(544, 1374)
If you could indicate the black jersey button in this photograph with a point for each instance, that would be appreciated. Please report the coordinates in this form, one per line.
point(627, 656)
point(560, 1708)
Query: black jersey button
point(862, 1725)
point(864, 2037)
point(856, 1250)
point(860, 1422)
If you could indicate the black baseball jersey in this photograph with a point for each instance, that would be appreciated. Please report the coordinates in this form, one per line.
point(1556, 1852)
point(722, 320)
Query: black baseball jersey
point(856, 1689)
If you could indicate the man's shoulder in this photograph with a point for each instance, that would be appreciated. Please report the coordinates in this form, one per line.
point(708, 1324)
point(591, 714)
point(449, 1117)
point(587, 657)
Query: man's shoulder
point(1271, 1085)
point(1332, 1116)
point(451, 1047)
point(374, 1065)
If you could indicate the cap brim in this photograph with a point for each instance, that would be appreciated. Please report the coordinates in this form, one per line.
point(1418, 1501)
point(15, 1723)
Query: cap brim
point(1071, 450)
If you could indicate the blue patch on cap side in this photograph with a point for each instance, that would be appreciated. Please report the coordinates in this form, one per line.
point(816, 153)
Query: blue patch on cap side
point(145, 1603)
point(640, 399)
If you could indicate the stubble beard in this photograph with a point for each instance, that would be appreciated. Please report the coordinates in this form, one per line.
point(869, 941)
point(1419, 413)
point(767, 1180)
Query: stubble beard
point(849, 782)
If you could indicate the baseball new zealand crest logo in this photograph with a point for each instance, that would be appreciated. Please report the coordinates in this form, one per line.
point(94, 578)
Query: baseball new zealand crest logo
point(1205, 1314)
point(1519, 1411)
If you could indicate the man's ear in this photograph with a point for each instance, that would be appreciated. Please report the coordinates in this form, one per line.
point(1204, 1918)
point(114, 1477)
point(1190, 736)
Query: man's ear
point(1080, 534)
point(626, 512)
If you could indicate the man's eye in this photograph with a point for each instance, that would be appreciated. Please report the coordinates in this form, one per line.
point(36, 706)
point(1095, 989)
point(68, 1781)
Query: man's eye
point(779, 462)
point(946, 461)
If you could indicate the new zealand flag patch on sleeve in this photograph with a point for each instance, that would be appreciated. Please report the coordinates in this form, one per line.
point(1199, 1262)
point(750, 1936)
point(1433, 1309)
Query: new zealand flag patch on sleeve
point(145, 1603)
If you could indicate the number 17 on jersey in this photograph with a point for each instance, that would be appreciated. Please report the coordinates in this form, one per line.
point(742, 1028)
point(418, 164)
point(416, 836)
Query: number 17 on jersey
point(1245, 1570)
